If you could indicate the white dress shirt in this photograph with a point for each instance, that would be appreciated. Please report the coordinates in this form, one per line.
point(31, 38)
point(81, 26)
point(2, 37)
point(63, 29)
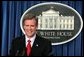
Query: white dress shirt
point(31, 39)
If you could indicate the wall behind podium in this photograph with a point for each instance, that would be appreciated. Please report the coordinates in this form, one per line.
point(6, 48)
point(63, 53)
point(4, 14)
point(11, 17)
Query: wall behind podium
point(10, 27)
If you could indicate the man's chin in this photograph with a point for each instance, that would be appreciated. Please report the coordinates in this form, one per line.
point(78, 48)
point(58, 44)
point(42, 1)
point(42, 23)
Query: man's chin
point(30, 35)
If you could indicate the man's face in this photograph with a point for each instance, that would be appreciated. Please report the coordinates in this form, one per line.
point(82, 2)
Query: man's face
point(30, 27)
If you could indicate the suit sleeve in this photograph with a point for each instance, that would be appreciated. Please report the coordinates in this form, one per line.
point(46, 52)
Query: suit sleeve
point(48, 49)
point(12, 49)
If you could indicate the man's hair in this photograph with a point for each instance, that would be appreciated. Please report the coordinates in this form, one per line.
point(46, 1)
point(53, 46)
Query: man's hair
point(30, 16)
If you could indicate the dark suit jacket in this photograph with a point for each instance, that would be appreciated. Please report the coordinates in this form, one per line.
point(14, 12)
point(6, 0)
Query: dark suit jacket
point(41, 47)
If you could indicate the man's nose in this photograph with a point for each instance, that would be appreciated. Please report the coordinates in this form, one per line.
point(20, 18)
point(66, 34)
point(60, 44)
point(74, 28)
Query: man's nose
point(29, 27)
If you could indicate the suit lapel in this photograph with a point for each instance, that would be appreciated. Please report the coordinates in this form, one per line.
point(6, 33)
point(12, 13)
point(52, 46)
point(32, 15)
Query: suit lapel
point(35, 46)
point(22, 46)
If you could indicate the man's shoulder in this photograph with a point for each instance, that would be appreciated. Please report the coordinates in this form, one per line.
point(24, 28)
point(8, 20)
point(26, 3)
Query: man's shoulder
point(42, 39)
point(16, 39)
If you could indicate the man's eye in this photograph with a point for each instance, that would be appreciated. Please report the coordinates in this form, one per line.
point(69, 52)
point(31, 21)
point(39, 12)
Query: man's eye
point(32, 25)
point(27, 25)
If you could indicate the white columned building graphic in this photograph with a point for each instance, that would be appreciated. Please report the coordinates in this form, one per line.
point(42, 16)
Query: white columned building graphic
point(51, 20)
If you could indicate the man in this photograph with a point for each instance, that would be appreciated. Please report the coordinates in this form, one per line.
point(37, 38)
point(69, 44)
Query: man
point(39, 45)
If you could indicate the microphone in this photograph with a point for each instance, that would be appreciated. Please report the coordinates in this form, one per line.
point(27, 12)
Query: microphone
point(20, 53)
point(50, 54)
point(17, 53)
point(23, 52)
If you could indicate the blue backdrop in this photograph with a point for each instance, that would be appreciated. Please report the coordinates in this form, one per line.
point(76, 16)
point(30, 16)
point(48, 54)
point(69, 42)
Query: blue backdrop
point(10, 19)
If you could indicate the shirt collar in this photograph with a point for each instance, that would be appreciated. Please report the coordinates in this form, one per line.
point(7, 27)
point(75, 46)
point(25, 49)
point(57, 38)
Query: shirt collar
point(31, 39)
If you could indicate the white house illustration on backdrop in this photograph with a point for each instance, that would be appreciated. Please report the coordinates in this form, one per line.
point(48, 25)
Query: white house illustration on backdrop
point(51, 20)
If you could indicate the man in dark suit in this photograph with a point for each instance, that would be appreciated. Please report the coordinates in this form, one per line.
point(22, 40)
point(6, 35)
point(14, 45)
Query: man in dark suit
point(39, 45)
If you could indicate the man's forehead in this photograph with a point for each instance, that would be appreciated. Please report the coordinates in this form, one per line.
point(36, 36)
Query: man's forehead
point(30, 20)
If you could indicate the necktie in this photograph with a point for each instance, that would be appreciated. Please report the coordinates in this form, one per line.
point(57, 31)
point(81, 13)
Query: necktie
point(28, 48)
